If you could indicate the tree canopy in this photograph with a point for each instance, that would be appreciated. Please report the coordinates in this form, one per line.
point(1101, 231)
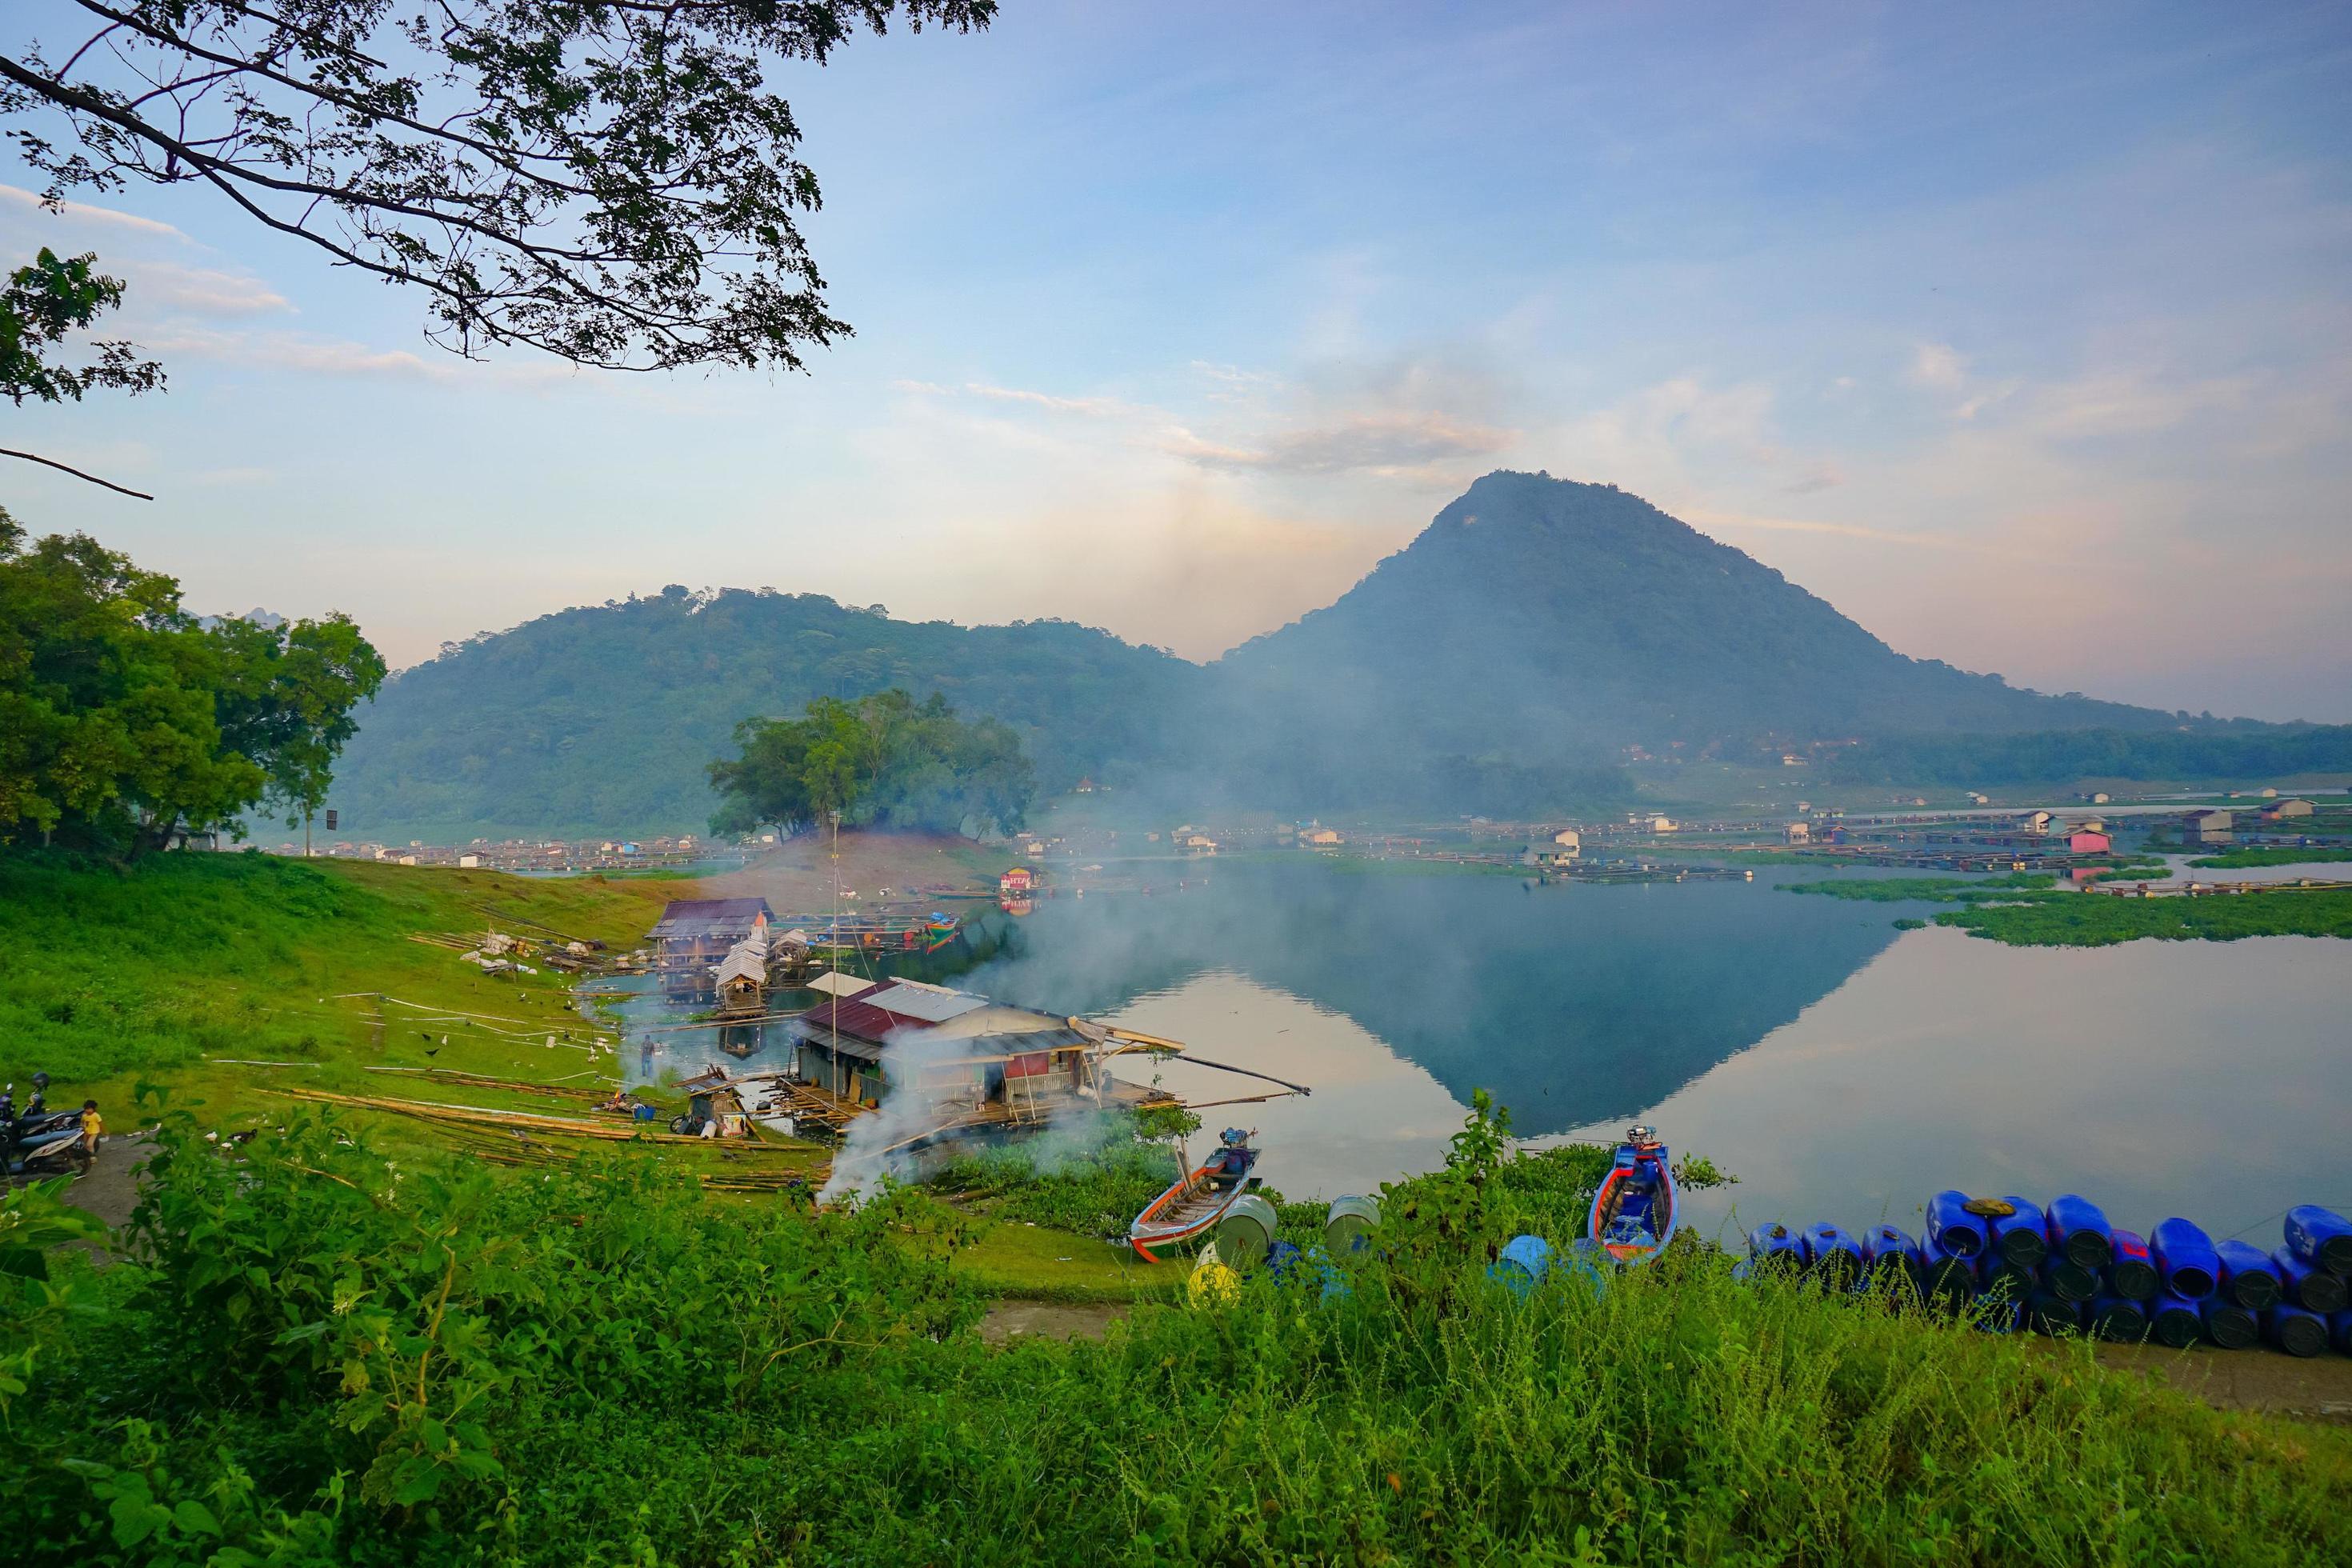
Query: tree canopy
point(127, 724)
point(884, 761)
point(613, 182)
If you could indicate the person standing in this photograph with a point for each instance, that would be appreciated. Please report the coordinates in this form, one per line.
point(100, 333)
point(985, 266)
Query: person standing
point(93, 1127)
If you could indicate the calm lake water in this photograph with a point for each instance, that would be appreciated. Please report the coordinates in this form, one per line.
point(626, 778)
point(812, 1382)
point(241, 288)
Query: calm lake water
point(1841, 1069)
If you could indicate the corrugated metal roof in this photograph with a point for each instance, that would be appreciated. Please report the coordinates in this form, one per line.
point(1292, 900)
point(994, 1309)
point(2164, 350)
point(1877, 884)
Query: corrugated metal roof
point(864, 1019)
point(746, 962)
point(833, 983)
point(931, 1004)
point(706, 917)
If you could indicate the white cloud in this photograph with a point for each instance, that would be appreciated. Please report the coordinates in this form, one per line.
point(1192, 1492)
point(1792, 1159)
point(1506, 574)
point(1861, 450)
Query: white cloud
point(1939, 365)
point(1379, 444)
point(164, 285)
point(82, 213)
point(1095, 407)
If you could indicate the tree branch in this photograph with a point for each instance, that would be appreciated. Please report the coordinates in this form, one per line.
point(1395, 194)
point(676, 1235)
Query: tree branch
point(76, 473)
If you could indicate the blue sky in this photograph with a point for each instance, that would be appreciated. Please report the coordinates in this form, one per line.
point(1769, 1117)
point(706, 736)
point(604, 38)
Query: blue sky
point(2023, 335)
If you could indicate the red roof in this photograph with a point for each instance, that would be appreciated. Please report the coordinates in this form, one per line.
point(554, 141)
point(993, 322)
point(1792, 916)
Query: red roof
point(865, 1020)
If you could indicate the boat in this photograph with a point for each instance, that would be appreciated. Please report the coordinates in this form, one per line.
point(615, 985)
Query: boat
point(1633, 1211)
point(1198, 1199)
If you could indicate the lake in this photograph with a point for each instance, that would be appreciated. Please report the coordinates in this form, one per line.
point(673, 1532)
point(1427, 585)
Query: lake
point(1841, 1069)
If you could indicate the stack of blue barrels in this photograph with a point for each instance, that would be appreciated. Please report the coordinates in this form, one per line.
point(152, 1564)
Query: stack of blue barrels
point(2063, 1268)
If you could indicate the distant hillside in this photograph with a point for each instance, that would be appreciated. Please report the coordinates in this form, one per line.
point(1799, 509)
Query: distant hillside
point(1538, 623)
point(602, 719)
point(1502, 662)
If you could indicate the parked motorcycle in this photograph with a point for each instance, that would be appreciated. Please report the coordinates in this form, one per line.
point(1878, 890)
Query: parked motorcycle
point(38, 1141)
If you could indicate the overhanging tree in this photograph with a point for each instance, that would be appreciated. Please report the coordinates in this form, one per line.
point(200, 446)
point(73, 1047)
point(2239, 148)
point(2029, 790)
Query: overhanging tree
point(612, 181)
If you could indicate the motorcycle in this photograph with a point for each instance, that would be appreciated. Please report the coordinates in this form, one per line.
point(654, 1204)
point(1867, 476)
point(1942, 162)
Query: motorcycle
point(38, 1142)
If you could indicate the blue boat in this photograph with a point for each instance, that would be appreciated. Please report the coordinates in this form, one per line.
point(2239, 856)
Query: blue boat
point(1633, 1213)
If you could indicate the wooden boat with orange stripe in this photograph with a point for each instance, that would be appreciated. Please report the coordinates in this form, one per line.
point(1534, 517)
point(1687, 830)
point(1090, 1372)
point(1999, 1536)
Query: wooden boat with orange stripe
point(1633, 1210)
point(1198, 1199)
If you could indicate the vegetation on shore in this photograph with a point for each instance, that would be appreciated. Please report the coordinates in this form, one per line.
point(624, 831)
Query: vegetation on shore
point(2238, 859)
point(2077, 920)
point(327, 1354)
point(116, 972)
point(2008, 887)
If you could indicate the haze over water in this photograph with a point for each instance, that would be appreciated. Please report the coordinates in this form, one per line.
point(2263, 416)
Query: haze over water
point(1841, 1069)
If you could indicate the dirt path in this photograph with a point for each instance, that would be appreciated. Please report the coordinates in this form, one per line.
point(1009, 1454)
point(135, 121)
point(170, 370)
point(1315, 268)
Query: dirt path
point(2259, 1379)
point(1009, 1320)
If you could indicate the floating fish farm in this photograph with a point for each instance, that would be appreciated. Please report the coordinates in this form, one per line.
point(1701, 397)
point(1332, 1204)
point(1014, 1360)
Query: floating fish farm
point(2011, 1264)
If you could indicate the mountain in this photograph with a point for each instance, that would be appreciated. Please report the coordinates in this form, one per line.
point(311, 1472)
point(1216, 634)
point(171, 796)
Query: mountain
point(1503, 662)
point(600, 720)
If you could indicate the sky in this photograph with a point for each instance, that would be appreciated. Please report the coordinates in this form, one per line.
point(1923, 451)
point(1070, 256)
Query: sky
point(2021, 335)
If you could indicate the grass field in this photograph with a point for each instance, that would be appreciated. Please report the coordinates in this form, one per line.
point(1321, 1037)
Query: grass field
point(2088, 921)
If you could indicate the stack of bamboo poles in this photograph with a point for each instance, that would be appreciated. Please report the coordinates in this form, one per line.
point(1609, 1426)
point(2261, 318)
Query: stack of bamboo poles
point(512, 1085)
point(526, 1138)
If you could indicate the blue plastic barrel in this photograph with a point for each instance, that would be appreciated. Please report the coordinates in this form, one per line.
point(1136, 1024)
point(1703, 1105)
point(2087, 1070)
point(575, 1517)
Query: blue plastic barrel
point(2340, 1332)
point(2069, 1281)
point(1952, 1228)
point(2249, 1278)
point(1943, 1278)
point(2174, 1321)
point(643, 1113)
point(1776, 1244)
point(2017, 1236)
point(2320, 1236)
point(2113, 1318)
point(2294, 1331)
point(2079, 1231)
point(1283, 1258)
point(1998, 1315)
point(2050, 1314)
point(2133, 1274)
point(1832, 1255)
point(2229, 1325)
point(1522, 1264)
point(1587, 1263)
point(1891, 1253)
point(2306, 1286)
point(2186, 1260)
point(1999, 1279)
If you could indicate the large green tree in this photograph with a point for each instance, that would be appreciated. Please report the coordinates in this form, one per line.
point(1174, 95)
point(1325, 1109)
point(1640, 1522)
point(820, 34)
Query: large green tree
point(126, 724)
point(884, 761)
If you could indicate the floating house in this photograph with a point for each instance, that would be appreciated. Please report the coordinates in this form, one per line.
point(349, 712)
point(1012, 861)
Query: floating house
point(2035, 822)
point(1319, 837)
point(1017, 883)
point(1546, 855)
point(1798, 833)
point(2287, 808)
point(2206, 823)
point(2088, 841)
point(965, 1056)
point(1569, 838)
point(695, 935)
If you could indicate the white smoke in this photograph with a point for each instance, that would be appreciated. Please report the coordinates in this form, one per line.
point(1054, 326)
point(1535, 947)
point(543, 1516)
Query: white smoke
point(881, 1146)
point(878, 1145)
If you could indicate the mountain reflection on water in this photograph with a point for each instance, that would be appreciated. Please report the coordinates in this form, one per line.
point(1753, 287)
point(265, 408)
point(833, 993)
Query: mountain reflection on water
point(1843, 1069)
point(1571, 1004)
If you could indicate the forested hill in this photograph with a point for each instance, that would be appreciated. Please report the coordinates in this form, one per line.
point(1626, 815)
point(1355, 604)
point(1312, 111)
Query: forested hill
point(1580, 608)
point(602, 720)
point(1502, 662)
